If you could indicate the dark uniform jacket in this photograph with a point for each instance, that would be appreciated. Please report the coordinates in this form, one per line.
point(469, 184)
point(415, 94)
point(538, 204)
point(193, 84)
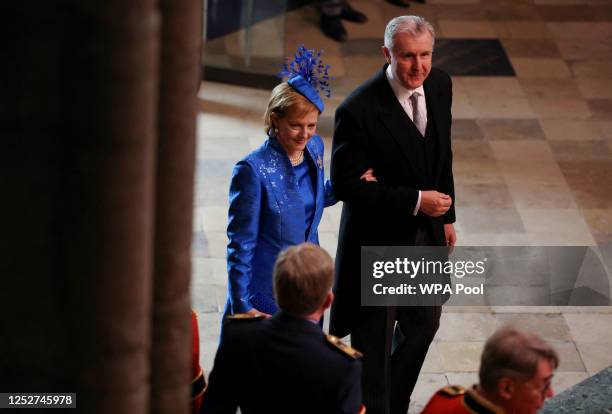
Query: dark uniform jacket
point(372, 130)
point(455, 399)
point(281, 365)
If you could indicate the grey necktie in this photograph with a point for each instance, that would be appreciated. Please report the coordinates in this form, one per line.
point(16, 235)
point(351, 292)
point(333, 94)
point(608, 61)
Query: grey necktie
point(417, 117)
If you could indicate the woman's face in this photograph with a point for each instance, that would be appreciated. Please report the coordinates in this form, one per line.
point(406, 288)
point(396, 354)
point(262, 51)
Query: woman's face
point(296, 128)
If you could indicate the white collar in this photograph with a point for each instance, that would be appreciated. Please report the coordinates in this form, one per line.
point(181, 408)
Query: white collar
point(401, 93)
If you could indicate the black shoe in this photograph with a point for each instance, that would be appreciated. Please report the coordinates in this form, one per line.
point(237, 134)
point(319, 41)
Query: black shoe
point(352, 15)
point(400, 3)
point(332, 27)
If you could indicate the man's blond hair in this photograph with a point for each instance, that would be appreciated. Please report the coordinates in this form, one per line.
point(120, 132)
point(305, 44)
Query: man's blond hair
point(303, 276)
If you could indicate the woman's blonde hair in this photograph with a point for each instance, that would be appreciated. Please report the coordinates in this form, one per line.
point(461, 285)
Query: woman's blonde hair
point(283, 98)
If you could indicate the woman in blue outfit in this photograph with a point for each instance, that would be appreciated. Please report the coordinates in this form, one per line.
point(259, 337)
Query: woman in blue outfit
point(278, 192)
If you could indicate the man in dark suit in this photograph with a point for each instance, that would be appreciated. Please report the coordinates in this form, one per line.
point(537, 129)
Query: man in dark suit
point(398, 123)
point(286, 364)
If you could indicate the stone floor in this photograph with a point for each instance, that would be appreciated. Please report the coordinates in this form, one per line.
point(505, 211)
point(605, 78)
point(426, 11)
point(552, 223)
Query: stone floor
point(532, 162)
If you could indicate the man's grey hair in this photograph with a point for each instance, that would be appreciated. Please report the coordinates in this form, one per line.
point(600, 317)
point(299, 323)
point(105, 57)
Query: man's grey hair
point(412, 25)
point(512, 353)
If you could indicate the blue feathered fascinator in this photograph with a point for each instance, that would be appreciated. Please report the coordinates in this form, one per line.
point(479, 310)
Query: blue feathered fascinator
point(308, 75)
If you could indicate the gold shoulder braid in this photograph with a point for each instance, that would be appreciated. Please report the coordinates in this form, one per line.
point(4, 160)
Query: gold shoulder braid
point(245, 317)
point(344, 348)
point(452, 390)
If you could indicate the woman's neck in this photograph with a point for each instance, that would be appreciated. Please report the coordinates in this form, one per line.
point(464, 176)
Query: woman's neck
point(294, 154)
point(296, 158)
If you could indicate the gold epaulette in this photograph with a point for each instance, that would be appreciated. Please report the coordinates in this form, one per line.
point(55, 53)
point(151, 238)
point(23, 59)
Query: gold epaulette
point(198, 385)
point(245, 317)
point(452, 391)
point(344, 348)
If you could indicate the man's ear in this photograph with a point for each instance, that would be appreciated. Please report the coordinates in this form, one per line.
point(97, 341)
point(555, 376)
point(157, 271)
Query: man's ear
point(328, 300)
point(505, 388)
point(386, 53)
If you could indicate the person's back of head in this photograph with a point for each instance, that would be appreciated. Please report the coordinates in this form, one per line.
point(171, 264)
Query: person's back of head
point(516, 370)
point(303, 278)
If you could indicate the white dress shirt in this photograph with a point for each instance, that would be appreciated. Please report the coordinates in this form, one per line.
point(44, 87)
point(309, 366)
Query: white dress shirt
point(403, 96)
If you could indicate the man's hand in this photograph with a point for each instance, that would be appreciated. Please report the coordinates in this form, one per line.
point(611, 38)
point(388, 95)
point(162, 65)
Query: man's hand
point(450, 236)
point(434, 204)
point(369, 176)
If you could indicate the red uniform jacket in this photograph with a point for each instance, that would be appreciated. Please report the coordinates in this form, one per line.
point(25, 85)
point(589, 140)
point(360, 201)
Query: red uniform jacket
point(198, 382)
point(457, 400)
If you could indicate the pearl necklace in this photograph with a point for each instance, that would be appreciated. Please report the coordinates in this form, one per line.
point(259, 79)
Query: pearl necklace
point(297, 160)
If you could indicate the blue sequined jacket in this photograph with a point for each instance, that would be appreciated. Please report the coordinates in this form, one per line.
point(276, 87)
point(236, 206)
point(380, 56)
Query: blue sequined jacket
point(266, 215)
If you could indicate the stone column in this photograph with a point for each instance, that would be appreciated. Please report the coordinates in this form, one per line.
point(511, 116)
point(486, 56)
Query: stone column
point(179, 80)
point(96, 167)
